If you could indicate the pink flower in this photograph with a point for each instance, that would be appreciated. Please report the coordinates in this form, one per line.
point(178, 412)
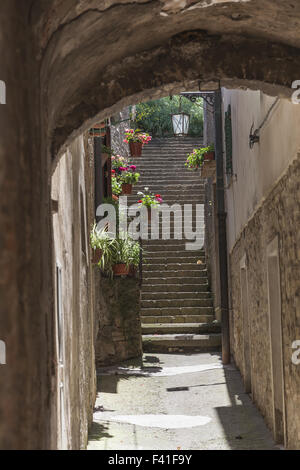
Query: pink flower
point(133, 167)
point(125, 141)
point(121, 168)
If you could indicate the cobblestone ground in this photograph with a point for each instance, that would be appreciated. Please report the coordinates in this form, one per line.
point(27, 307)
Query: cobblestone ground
point(175, 402)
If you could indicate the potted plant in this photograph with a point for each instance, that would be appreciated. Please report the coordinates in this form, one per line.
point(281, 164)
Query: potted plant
point(134, 255)
point(136, 140)
point(150, 201)
point(209, 152)
point(128, 178)
point(198, 156)
point(118, 163)
point(116, 186)
point(100, 242)
point(124, 255)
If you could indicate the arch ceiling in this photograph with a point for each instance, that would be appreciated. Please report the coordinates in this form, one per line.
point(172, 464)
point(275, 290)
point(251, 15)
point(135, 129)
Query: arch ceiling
point(98, 55)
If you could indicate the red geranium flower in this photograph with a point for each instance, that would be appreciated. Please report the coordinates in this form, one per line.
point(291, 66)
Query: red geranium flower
point(140, 201)
point(157, 195)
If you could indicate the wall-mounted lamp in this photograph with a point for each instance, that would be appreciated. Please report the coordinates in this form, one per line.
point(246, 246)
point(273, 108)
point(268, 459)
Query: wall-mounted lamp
point(253, 137)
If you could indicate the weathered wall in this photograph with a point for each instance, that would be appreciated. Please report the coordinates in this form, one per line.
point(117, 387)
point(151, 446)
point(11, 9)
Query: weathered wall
point(119, 333)
point(72, 188)
point(257, 170)
point(278, 215)
point(25, 249)
point(120, 122)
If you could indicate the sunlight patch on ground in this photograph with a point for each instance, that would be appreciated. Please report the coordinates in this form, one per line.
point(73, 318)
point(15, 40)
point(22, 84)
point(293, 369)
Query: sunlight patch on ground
point(160, 372)
point(158, 421)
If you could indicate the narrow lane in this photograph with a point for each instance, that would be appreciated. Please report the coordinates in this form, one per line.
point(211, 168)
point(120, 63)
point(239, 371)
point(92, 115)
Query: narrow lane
point(175, 402)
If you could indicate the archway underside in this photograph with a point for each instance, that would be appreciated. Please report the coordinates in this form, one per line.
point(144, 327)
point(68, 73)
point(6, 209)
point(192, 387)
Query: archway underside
point(97, 57)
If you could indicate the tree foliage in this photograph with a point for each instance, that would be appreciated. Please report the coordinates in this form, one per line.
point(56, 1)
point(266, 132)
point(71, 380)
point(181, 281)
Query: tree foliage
point(155, 116)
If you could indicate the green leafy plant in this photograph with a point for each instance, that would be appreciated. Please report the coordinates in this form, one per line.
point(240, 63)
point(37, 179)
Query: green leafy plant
point(148, 199)
point(116, 186)
point(196, 158)
point(129, 175)
point(99, 239)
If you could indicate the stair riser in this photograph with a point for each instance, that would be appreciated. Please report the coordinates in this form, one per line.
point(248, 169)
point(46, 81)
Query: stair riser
point(176, 303)
point(177, 311)
point(158, 296)
point(175, 288)
point(207, 319)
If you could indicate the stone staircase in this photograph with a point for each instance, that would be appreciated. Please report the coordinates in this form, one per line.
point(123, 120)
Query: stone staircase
point(176, 305)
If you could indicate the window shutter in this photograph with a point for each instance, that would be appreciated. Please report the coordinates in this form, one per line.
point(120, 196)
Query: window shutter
point(228, 141)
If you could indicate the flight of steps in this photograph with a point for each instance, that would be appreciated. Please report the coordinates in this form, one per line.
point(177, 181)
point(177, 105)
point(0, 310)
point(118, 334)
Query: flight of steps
point(176, 305)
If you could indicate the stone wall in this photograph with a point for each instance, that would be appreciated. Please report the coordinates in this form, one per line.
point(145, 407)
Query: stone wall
point(120, 122)
point(119, 334)
point(73, 215)
point(279, 214)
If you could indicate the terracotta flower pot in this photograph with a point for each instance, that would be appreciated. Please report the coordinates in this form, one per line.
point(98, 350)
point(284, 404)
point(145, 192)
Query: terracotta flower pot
point(126, 189)
point(96, 255)
point(120, 269)
point(209, 156)
point(135, 149)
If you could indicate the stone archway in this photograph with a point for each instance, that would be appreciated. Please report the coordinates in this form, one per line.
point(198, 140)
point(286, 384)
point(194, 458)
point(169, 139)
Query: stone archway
point(67, 63)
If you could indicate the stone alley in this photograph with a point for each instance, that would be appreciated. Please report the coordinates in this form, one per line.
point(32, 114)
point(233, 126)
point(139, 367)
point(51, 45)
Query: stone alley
point(175, 402)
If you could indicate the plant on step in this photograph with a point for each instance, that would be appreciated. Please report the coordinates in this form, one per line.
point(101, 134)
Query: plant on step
point(148, 199)
point(116, 186)
point(125, 252)
point(129, 175)
point(137, 136)
point(118, 162)
point(100, 244)
point(197, 157)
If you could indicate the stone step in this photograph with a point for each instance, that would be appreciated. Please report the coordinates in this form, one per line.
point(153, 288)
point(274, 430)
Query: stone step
point(160, 267)
point(148, 275)
point(181, 342)
point(177, 303)
point(175, 277)
point(173, 287)
point(165, 311)
point(177, 295)
point(179, 251)
point(181, 328)
point(148, 319)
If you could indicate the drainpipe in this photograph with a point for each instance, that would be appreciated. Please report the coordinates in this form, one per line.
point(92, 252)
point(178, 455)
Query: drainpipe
point(222, 237)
